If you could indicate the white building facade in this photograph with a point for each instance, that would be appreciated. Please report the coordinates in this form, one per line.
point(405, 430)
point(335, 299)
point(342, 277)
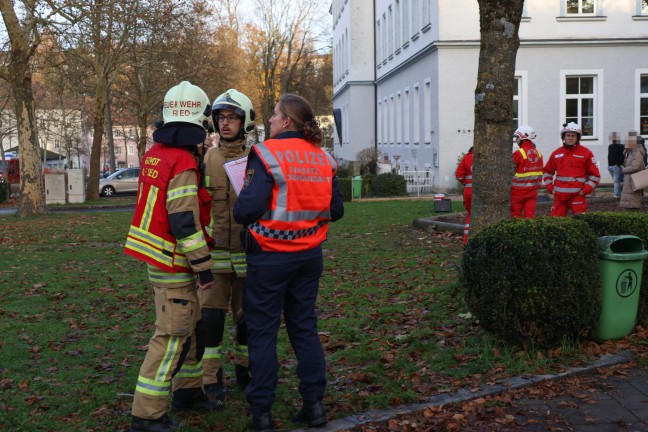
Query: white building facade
point(579, 60)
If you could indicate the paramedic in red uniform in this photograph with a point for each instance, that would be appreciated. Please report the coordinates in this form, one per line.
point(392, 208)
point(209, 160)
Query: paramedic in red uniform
point(166, 233)
point(528, 174)
point(571, 173)
point(464, 176)
point(289, 196)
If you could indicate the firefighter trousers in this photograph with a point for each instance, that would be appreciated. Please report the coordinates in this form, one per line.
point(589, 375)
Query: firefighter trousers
point(171, 361)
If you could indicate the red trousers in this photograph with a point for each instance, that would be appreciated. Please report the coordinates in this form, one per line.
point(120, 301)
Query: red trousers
point(523, 203)
point(564, 202)
point(467, 201)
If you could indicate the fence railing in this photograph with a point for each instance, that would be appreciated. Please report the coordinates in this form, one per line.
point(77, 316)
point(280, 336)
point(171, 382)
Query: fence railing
point(418, 181)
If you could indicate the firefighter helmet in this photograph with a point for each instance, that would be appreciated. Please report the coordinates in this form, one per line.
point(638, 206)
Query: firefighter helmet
point(236, 101)
point(525, 132)
point(571, 127)
point(186, 103)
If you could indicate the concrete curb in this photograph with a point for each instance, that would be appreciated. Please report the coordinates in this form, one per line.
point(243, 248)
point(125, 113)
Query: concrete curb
point(466, 394)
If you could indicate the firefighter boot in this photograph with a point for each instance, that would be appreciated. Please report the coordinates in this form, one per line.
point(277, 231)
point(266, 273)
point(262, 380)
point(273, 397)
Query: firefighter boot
point(163, 424)
point(241, 369)
point(194, 399)
point(213, 323)
point(216, 392)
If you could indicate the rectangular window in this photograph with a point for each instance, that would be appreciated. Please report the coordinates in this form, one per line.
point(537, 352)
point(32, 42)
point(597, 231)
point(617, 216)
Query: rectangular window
point(406, 118)
point(381, 122)
point(643, 7)
point(399, 119)
point(131, 149)
point(392, 120)
point(580, 102)
point(378, 42)
point(405, 20)
point(516, 104)
point(390, 30)
point(397, 33)
point(427, 112)
point(643, 104)
point(417, 115)
point(580, 7)
point(118, 150)
point(415, 16)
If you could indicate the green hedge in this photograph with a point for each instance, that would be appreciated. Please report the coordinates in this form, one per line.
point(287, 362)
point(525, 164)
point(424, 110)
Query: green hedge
point(624, 223)
point(388, 185)
point(533, 281)
point(4, 190)
point(345, 188)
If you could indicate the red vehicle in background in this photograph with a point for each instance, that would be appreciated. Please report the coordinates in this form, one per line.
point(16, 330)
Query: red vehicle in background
point(13, 171)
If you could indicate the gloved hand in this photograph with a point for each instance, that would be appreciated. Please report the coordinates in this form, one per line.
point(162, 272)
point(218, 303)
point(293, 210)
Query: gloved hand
point(205, 279)
point(550, 188)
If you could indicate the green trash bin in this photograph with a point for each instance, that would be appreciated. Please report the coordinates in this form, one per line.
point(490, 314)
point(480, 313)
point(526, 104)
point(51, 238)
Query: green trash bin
point(621, 265)
point(357, 186)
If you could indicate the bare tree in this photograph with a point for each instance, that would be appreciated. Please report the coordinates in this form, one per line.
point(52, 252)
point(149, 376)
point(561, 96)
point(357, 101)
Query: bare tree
point(493, 165)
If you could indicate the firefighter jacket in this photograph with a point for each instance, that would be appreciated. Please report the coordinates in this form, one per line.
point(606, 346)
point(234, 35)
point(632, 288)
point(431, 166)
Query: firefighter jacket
point(528, 164)
point(464, 170)
point(166, 231)
point(297, 216)
point(575, 170)
point(228, 254)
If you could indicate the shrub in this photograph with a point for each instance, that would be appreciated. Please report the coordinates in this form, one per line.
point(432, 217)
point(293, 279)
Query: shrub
point(624, 223)
point(4, 190)
point(345, 188)
point(388, 185)
point(532, 281)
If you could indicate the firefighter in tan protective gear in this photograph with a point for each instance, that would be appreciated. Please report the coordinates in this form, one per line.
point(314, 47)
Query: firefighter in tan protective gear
point(233, 118)
point(166, 233)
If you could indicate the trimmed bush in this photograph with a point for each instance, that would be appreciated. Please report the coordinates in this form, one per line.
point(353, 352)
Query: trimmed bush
point(345, 188)
point(388, 185)
point(533, 281)
point(4, 190)
point(624, 223)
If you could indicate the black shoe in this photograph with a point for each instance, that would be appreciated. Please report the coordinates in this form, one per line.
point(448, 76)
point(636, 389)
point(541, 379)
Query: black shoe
point(262, 423)
point(216, 393)
point(163, 424)
point(242, 376)
point(194, 399)
point(312, 414)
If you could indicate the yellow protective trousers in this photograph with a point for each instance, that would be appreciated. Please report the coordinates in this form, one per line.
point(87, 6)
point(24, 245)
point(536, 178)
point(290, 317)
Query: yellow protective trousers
point(170, 361)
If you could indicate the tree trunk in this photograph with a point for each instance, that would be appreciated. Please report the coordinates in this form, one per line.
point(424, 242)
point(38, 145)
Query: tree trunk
point(493, 165)
point(109, 134)
point(97, 137)
point(32, 197)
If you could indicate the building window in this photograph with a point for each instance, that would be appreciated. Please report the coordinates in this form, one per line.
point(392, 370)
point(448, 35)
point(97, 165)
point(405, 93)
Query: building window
point(427, 112)
point(516, 103)
point(406, 118)
point(417, 115)
point(643, 104)
point(397, 33)
point(580, 103)
point(57, 144)
point(131, 149)
point(405, 21)
point(118, 150)
point(399, 119)
point(580, 7)
point(643, 7)
point(378, 42)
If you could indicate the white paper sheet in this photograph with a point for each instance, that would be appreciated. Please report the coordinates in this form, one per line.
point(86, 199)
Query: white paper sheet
point(236, 172)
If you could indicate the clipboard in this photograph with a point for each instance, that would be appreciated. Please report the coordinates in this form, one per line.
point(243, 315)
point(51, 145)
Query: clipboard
point(235, 170)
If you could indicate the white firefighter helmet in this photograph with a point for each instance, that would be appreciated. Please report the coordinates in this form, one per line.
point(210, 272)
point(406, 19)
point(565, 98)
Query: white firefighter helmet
point(571, 127)
point(525, 132)
point(236, 101)
point(186, 103)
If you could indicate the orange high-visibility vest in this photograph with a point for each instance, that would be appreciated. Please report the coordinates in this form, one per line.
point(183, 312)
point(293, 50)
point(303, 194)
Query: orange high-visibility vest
point(301, 195)
point(149, 238)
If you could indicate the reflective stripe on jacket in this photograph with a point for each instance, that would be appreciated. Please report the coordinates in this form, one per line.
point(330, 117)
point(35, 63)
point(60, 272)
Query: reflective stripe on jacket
point(149, 238)
point(574, 169)
point(301, 196)
point(528, 163)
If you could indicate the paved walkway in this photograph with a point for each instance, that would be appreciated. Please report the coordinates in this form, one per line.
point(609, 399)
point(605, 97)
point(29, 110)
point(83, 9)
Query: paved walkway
point(599, 397)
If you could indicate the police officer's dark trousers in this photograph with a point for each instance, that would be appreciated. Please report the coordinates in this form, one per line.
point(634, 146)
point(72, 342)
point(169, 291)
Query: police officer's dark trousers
point(269, 289)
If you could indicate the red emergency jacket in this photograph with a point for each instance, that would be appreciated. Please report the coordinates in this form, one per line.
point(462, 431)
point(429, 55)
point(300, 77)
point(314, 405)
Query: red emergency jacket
point(574, 169)
point(301, 195)
point(149, 238)
point(528, 163)
point(464, 170)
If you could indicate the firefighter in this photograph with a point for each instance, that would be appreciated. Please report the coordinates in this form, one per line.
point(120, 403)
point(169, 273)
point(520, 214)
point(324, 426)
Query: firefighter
point(571, 173)
point(233, 118)
point(528, 174)
point(464, 176)
point(167, 235)
point(289, 196)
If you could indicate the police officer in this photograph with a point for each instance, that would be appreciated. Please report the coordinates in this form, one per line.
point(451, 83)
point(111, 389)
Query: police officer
point(233, 118)
point(167, 235)
point(289, 196)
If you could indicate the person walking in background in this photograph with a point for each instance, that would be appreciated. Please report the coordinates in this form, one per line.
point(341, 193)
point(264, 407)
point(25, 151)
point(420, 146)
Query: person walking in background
point(289, 196)
point(615, 163)
point(167, 235)
point(233, 118)
point(464, 176)
point(633, 163)
point(528, 174)
point(571, 173)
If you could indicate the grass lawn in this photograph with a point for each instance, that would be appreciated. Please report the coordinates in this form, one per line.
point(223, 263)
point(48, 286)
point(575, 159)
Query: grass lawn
point(76, 315)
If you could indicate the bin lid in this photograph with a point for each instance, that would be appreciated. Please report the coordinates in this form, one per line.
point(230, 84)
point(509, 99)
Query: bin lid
point(621, 248)
point(357, 178)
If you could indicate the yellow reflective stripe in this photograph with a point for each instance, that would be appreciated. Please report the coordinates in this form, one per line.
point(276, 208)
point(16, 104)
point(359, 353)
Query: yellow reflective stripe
point(163, 372)
point(220, 254)
point(153, 387)
point(242, 350)
point(190, 371)
point(160, 276)
point(523, 153)
point(529, 174)
point(140, 241)
point(147, 216)
point(193, 242)
point(207, 180)
point(181, 192)
point(212, 352)
point(220, 265)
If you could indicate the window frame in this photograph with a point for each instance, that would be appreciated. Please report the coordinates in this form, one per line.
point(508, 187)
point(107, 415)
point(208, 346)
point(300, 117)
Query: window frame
point(639, 73)
point(580, 9)
point(597, 97)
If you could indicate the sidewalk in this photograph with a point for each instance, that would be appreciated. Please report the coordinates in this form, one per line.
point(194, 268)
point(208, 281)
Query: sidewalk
point(608, 395)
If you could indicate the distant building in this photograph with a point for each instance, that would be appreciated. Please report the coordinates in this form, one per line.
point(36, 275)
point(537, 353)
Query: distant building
point(405, 72)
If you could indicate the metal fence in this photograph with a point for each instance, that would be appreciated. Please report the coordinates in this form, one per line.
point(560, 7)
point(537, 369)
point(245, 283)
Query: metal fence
point(418, 181)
